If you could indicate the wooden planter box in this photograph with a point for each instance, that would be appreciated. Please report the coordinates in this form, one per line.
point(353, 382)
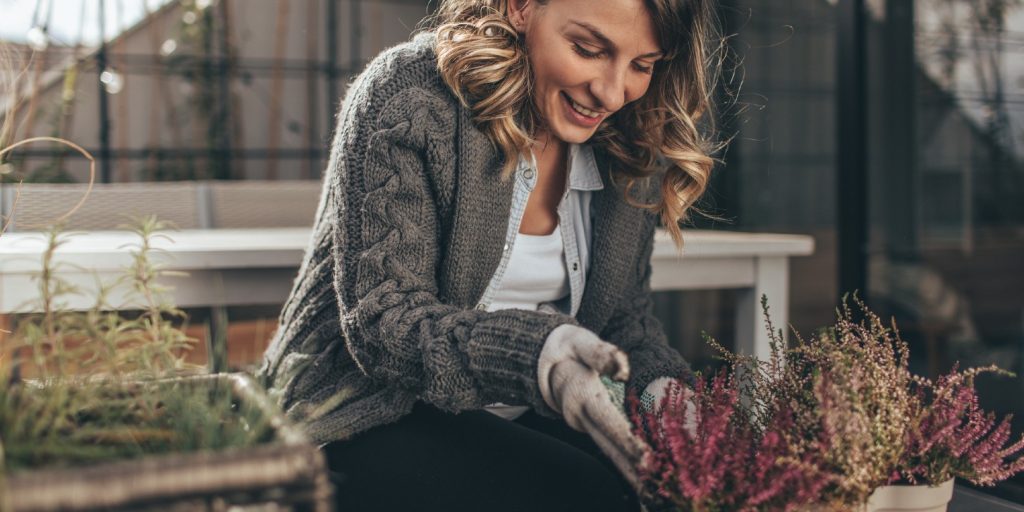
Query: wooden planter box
point(286, 474)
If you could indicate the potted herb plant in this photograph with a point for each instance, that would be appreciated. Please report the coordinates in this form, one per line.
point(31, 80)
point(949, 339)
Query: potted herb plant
point(99, 411)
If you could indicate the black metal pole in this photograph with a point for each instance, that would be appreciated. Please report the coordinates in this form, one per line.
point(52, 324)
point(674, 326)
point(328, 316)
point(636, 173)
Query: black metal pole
point(312, 114)
point(851, 195)
point(224, 75)
point(355, 35)
point(332, 55)
point(727, 179)
point(898, 143)
point(101, 64)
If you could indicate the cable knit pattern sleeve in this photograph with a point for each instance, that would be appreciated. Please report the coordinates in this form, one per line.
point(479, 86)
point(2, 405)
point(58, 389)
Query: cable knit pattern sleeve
point(386, 248)
point(635, 329)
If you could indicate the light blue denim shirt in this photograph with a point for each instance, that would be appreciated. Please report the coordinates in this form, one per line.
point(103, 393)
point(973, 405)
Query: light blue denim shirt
point(574, 220)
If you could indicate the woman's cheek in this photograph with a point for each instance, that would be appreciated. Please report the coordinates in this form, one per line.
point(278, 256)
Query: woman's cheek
point(561, 69)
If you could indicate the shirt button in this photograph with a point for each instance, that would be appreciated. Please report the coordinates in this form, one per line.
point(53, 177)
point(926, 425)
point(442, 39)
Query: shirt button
point(528, 174)
point(481, 307)
point(575, 265)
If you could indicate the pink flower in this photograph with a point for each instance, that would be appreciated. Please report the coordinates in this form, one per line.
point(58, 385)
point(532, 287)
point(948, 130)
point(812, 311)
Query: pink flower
point(955, 437)
point(827, 421)
point(725, 459)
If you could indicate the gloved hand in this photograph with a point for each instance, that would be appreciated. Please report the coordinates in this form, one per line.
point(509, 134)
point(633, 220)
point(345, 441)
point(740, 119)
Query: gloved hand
point(650, 400)
point(569, 374)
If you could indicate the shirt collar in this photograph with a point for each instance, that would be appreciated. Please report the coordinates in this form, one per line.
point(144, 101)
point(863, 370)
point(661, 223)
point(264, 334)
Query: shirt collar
point(524, 162)
point(583, 173)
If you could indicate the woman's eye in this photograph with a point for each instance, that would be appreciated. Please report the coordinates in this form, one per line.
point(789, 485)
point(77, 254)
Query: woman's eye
point(585, 52)
point(644, 69)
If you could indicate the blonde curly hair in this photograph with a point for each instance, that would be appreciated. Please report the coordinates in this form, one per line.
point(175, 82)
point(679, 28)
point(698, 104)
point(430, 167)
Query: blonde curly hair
point(483, 60)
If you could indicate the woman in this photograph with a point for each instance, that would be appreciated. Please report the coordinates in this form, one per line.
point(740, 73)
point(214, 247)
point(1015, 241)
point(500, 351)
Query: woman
point(480, 255)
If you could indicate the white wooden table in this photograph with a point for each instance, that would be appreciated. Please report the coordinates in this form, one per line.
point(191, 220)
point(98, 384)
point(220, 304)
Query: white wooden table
point(754, 263)
point(234, 267)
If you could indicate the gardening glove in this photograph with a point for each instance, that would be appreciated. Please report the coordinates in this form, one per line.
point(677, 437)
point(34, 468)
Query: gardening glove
point(650, 400)
point(569, 374)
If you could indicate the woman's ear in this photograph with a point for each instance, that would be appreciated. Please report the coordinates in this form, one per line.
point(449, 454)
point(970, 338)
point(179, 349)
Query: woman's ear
point(518, 11)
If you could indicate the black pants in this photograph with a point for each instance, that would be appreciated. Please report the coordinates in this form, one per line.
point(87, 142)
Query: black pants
point(434, 460)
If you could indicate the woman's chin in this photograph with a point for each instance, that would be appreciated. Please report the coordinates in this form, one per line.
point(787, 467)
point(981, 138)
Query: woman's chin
point(573, 135)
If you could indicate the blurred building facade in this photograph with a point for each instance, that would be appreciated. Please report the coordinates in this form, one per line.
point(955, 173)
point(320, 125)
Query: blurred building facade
point(230, 89)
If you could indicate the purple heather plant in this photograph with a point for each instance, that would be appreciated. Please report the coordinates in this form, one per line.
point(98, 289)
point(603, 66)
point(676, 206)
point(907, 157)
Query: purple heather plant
point(954, 437)
point(824, 423)
point(724, 460)
point(862, 394)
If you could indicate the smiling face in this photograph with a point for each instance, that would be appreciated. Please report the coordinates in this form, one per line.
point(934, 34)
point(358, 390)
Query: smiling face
point(589, 59)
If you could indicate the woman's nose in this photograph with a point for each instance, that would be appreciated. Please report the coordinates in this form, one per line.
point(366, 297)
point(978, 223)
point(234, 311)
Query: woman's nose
point(610, 89)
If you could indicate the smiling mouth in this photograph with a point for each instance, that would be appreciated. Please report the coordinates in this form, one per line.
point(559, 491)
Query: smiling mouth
point(593, 114)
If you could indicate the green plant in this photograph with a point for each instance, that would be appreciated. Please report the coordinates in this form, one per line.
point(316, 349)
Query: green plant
point(79, 387)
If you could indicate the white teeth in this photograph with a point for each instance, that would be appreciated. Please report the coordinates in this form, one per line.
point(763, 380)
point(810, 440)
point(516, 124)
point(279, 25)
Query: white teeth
point(583, 110)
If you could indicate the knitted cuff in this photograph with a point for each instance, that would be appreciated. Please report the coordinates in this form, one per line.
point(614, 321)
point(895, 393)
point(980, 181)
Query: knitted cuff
point(505, 354)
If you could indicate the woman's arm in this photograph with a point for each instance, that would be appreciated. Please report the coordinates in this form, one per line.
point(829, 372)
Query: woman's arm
point(635, 329)
point(386, 251)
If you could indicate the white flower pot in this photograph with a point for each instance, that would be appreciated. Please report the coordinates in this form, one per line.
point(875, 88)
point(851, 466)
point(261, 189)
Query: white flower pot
point(911, 498)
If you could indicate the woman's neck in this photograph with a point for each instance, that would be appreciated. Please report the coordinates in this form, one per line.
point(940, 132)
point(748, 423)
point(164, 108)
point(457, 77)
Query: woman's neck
point(551, 154)
point(540, 215)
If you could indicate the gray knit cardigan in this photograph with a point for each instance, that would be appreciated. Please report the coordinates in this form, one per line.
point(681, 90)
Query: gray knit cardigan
point(409, 230)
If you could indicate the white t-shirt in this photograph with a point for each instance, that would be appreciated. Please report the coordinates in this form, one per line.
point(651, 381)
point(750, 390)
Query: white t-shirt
point(536, 273)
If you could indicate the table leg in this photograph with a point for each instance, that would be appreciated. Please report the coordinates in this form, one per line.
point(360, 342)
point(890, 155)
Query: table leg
point(771, 278)
point(217, 339)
